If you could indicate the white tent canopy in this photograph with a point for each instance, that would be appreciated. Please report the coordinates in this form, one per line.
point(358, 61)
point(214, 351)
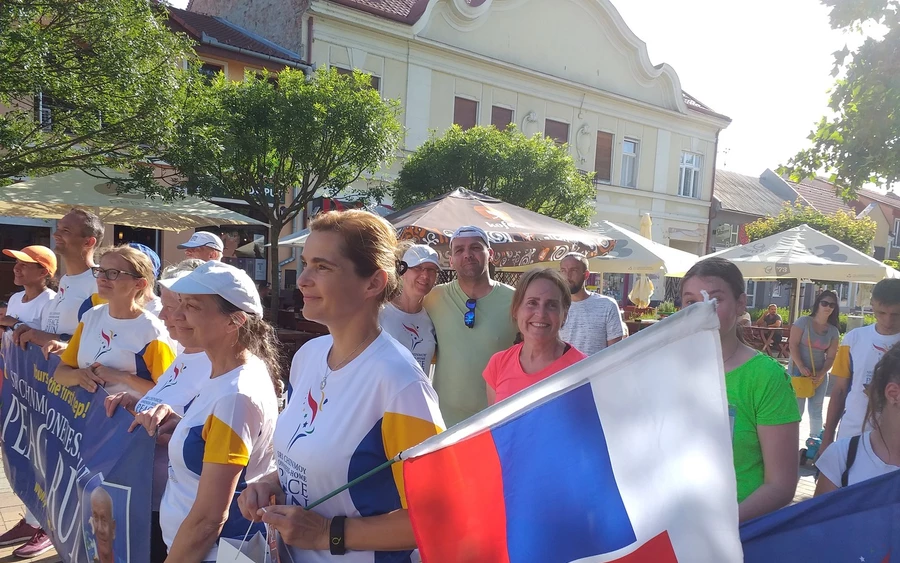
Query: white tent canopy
point(634, 254)
point(51, 197)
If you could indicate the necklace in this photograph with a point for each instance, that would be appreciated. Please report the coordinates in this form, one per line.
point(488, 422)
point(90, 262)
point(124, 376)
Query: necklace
point(731, 355)
point(328, 369)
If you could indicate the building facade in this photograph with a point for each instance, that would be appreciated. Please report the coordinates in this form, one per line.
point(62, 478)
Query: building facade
point(568, 69)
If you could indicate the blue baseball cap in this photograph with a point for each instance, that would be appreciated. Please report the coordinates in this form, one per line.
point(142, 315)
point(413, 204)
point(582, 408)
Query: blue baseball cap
point(149, 253)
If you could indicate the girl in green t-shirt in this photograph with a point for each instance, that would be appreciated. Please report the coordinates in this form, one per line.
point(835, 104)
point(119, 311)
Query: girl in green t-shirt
point(761, 402)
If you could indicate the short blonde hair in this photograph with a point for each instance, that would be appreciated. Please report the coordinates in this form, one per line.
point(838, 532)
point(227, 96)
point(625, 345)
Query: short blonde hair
point(370, 243)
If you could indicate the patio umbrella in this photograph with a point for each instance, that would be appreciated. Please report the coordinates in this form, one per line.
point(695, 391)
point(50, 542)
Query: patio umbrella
point(520, 238)
point(635, 254)
point(805, 253)
point(642, 291)
point(51, 197)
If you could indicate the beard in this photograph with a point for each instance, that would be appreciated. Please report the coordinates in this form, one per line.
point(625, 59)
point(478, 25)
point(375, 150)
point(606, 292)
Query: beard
point(575, 288)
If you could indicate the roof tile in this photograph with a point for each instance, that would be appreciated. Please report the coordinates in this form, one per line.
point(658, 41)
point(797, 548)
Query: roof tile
point(224, 31)
point(745, 194)
point(822, 196)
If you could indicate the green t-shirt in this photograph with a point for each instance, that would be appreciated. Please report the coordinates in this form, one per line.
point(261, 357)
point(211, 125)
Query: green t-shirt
point(463, 352)
point(759, 394)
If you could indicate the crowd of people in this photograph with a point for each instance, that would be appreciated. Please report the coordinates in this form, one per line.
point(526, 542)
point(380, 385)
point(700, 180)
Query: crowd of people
point(188, 351)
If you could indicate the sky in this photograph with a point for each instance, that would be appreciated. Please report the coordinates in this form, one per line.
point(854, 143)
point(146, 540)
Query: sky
point(765, 64)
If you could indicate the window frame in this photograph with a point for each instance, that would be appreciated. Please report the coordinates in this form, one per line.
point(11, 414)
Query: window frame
point(696, 172)
point(751, 294)
point(634, 165)
point(896, 242)
point(465, 100)
point(558, 122)
point(612, 146)
point(512, 116)
point(374, 79)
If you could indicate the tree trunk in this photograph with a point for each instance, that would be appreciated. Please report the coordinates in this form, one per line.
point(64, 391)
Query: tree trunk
point(274, 271)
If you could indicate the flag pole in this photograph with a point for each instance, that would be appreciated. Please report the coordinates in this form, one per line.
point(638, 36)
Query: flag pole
point(359, 479)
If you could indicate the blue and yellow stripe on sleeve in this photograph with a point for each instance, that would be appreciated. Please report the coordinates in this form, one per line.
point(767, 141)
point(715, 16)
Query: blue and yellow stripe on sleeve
point(70, 354)
point(154, 360)
point(223, 444)
point(843, 363)
point(89, 304)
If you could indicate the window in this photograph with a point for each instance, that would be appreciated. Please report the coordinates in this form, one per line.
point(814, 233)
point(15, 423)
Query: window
point(750, 290)
point(629, 163)
point(501, 117)
point(465, 112)
point(896, 233)
point(43, 113)
point(374, 81)
point(603, 158)
point(557, 130)
point(689, 177)
point(210, 70)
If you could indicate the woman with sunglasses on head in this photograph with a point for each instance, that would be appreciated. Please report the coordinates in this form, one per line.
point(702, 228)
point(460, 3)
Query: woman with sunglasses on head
point(118, 345)
point(359, 398)
point(539, 308)
point(814, 344)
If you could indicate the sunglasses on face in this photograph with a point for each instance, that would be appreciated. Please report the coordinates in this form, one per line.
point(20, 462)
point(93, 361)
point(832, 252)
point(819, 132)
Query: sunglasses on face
point(111, 274)
point(469, 316)
point(828, 304)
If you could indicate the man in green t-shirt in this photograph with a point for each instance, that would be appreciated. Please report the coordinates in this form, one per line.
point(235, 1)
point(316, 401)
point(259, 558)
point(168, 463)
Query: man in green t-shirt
point(472, 320)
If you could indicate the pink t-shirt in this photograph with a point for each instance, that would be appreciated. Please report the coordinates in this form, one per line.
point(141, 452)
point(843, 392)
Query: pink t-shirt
point(505, 376)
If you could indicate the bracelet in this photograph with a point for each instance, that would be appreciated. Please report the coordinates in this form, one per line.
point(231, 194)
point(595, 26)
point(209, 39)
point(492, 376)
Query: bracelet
point(336, 543)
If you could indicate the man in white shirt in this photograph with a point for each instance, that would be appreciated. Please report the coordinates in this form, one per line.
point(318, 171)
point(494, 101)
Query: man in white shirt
point(204, 246)
point(593, 322)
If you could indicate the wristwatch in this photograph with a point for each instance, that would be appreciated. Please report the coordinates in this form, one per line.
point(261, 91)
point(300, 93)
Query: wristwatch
point(336, 536)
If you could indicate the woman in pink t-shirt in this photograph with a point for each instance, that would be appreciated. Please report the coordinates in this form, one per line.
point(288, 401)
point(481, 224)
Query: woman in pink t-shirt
point(539, 308)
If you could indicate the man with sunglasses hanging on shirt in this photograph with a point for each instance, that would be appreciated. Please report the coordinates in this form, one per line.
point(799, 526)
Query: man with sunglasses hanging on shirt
point(471, 317)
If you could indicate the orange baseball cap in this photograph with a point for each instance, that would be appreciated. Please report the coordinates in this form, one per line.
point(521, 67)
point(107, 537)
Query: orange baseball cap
point(35, 254)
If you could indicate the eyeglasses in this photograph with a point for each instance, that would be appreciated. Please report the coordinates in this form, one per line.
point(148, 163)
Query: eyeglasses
point(469, 316)
point(828, 304)
point(111, 274)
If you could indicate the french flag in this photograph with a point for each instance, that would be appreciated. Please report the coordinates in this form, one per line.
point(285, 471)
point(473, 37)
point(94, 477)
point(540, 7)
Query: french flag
point(625, 456)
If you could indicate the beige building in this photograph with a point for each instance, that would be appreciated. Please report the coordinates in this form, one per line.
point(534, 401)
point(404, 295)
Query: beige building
point(569, 69)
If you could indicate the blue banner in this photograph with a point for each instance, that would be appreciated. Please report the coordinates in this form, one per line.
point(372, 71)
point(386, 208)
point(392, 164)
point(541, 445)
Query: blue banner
point(856, 523)
point(80, 472)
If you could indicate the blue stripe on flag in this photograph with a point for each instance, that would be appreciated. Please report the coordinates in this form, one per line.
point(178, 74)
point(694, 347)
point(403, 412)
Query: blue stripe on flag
point(562, 500)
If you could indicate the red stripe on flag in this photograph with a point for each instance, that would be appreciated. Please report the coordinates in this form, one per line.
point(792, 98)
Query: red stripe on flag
point(455, 500)
point(657, 550)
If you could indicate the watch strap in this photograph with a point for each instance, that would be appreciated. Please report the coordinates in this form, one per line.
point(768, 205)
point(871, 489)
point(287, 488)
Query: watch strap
point(336, 543)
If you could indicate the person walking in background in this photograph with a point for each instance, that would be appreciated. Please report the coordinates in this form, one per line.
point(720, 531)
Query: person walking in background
point(859, 351)
point(203, 245)
point(813, 344)
point(764, 418)
point(539, 308)
point(405, 317)
point(472, 323)
point(877, 451)
point(594, 321)
point(34, 271)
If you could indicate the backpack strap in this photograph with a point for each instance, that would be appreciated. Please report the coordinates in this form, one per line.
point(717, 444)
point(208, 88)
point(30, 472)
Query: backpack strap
point(851, 457)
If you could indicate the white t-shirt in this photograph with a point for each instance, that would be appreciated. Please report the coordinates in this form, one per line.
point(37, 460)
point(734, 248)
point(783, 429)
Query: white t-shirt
point(60, 316)
point(140, 346)
point(859, 351)
point(154, 306)
point(591, 323)
point(376, 406)
point(867, 465)
point(30, 312)
point(230, 422)
point(177, 387)
point(414, 331)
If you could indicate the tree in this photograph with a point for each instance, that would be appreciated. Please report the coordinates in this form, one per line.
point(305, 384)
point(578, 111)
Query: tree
point(531, 172)
point(860, 143)
point(268, 138)
point(843, 226)
point(85, 82)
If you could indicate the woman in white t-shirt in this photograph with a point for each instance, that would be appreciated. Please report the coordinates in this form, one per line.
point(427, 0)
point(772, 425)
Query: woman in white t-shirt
point(35, 267)
point(876, 452)
point(118, 344)
point(223, 442)
point(176, 387)
point(358, 398)
point(405, 317)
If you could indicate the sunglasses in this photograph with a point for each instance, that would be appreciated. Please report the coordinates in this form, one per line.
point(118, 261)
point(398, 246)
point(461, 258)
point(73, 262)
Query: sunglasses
point(111, 274)
point(829, 304)
point(469, 316)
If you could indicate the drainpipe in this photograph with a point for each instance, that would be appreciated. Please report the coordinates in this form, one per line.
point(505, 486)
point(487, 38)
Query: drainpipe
point(712, 192)
point(309, 38)
point(213, 42)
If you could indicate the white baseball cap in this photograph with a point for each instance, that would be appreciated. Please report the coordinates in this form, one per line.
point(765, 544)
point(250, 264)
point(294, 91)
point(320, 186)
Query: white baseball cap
point(204, 238)
point(419, 254)
point(229, 283)
point(471, 231)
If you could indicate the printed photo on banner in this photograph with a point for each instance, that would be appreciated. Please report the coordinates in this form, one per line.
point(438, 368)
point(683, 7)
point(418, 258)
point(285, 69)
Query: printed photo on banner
point(105, 508)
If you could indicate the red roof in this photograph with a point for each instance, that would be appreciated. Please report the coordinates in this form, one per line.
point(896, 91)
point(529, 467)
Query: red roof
point(822, 196)
point(223, 31)
point(403, 11)
point(891, 199)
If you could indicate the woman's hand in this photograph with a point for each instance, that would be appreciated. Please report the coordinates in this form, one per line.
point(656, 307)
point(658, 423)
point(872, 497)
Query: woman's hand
point(804, 371)
point(110, 375)
point(84, 378)
point(259, 495)
point(124, 400)
point(818, 378)
point(160, 418)
point(298, 527)
point(53, 347)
